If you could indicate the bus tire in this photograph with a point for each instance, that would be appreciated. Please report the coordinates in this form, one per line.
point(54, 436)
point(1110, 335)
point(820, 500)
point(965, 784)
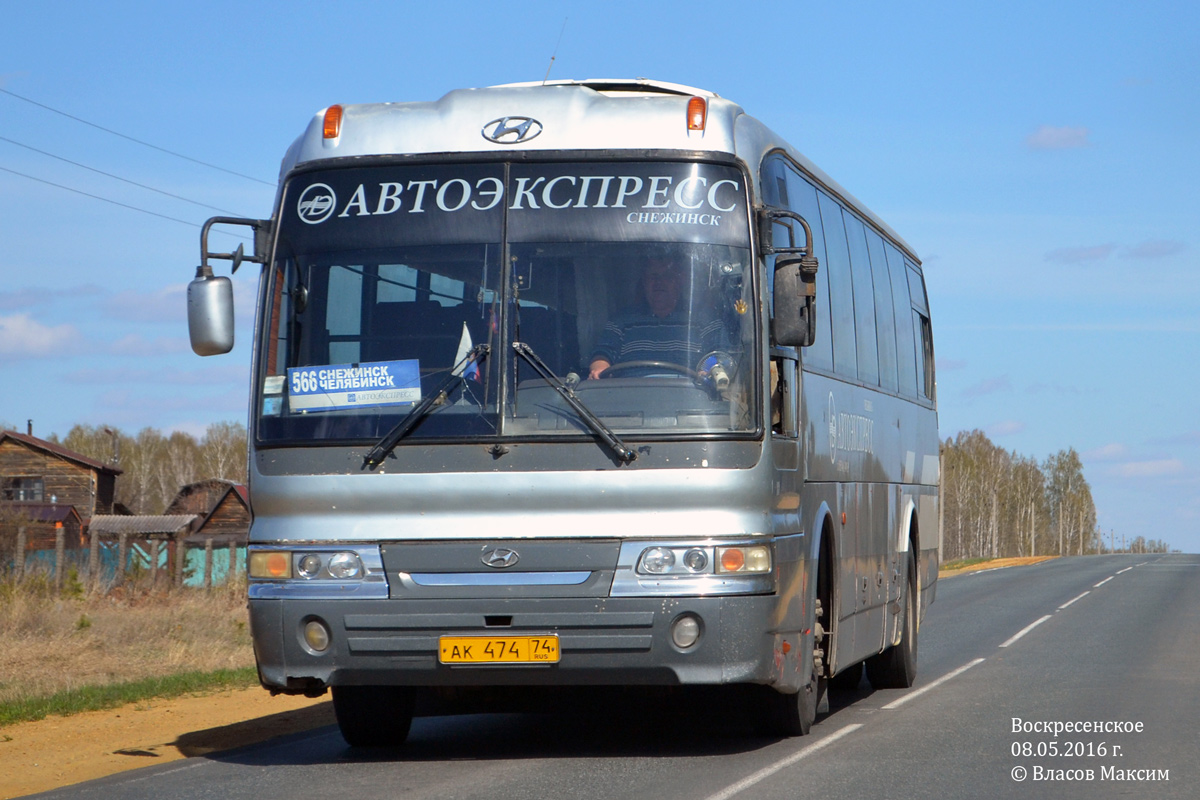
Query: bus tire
point(373, 716)
point(794, 714)
point(896, 667)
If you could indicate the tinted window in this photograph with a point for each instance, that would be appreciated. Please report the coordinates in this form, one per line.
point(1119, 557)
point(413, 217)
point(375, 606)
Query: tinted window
point(924, 354)
point(916, 288)
point(864, 300)
point(885, 316)
point(841, 288)
point(906, 350)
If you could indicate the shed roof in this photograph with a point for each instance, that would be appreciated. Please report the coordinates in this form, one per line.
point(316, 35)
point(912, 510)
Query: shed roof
point(142, 525)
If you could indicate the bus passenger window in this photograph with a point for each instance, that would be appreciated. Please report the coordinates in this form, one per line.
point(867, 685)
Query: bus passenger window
point(841, 288)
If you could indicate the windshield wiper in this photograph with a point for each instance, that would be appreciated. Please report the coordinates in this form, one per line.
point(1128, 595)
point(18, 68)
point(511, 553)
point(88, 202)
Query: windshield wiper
point(623, 453)
point(457, 375)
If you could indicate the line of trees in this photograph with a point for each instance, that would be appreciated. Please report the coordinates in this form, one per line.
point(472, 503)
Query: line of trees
point(155, 465)
point(997, 504)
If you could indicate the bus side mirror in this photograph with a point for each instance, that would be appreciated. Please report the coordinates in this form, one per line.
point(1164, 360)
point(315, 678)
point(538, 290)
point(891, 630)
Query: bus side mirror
point(795, 321)
point(210, 313)
point(209, 298)
point(794, 297)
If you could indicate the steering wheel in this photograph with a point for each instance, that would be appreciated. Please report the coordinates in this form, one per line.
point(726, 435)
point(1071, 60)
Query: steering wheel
point(626, 366)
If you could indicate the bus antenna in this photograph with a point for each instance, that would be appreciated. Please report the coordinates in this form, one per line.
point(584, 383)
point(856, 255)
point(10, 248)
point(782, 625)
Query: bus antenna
point(555, 55)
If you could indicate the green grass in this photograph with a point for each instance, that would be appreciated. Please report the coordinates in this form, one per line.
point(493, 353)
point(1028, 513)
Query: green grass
point(96, 698)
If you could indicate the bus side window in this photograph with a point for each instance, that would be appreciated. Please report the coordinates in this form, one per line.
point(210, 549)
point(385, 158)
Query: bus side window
point(925, 355)
point(885, 313)
point(864, 301)
point(841, 288)
point(906, 350)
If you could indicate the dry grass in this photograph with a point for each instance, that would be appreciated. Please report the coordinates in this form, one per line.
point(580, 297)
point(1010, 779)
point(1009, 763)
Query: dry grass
point(976, 564)
point(56, 643)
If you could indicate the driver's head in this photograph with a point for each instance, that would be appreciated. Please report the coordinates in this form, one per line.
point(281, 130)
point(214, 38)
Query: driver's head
point(663, 284)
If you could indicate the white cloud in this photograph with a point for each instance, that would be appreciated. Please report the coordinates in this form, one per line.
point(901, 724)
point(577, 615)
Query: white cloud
point(1076, 255)
point(134, 345)
point(989, 386)
point(1008, 427)
point(24, 337)
point(165, 305)
point(1109, 452)
point(1154, 249)
point(1149, 469)
point(31, 296)
point(1050, 137)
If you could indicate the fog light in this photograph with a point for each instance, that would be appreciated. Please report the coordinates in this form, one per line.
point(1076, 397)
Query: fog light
point(657, 560)
point(685, 631)
point(345, 565)
point(309, 565)
point(316, 635)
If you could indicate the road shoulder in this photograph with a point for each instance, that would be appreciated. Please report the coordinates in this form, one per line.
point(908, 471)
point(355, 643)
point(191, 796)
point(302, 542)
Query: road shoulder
point(60, 751)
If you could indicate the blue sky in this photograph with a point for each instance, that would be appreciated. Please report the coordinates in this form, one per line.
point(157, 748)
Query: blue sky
point(1040, 157)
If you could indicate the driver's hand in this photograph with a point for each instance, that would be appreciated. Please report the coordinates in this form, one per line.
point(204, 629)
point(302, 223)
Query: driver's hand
point(598, 366)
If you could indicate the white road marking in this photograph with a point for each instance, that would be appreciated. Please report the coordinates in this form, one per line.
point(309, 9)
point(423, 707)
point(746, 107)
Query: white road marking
point(766, 772)
point(1064, 605)
point(1025, 630)
point(902, 700)
point(1106, 580)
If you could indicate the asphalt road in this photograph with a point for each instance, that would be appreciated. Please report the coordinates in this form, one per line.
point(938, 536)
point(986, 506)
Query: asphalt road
point(1108, 641)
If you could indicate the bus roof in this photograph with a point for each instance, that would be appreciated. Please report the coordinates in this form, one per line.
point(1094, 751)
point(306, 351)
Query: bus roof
point(607, 114)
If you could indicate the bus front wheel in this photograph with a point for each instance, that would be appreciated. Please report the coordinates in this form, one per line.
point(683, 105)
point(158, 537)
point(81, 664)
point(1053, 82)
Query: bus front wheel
point(373, 716)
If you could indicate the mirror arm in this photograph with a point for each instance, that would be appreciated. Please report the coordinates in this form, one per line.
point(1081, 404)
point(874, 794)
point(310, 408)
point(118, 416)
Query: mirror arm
point(261, 228)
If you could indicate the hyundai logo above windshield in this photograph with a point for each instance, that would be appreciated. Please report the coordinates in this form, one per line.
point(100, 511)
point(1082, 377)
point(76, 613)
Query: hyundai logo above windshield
point(511, 130)
point(500, 557)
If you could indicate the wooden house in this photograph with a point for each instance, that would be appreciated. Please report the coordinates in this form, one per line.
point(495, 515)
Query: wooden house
point(33, 470)
point(224, 509)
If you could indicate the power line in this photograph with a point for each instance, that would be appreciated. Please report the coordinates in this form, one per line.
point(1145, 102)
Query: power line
point(136, 141)
point(107, 200)
point(119, 178)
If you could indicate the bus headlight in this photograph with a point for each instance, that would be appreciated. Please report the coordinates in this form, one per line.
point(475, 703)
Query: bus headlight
point(657, 561)
point(344, 566)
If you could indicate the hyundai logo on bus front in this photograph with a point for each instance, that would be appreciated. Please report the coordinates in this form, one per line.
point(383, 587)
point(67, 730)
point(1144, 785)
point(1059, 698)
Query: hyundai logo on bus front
point(316, 203)
point(500, 557)
point(511, 130)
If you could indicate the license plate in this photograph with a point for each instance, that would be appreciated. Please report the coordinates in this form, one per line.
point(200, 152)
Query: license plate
point(498, 650)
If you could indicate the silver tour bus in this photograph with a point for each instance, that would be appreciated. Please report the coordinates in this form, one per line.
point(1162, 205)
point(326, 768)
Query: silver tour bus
point(583, 383)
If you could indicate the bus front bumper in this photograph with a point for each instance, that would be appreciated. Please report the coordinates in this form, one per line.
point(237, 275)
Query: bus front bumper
point(601, 641)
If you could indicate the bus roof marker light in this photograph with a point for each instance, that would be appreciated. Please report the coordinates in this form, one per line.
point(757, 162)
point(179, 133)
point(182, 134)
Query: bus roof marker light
point(333, 122)
point(697, 114)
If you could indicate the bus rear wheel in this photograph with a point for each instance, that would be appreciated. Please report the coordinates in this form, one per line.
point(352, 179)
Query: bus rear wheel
point(373, 716)
point(896, 667)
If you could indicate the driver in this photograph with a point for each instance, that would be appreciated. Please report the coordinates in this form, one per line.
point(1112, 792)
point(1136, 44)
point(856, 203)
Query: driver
point(658, 328)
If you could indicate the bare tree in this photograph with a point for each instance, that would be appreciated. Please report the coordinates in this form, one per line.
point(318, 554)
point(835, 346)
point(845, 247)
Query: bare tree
point(223, 452)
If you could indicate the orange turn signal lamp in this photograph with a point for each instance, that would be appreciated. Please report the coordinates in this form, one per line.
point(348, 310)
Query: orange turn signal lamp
point(271, 564)
point(333, 122)
point(697, 114)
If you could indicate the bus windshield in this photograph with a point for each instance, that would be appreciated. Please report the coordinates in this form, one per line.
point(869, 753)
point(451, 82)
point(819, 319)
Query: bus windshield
point(630, 282)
